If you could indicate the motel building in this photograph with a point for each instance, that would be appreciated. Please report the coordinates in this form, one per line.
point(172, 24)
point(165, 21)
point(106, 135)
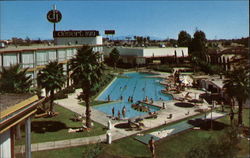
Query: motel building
point(16, 110)
point(36, 57)
point(148, 55)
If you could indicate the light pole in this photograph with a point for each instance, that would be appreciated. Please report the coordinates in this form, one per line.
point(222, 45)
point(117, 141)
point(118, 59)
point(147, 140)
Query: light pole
point(212, 114)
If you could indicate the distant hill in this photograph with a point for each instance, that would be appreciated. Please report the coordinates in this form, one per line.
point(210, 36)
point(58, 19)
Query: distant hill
point(132, 37)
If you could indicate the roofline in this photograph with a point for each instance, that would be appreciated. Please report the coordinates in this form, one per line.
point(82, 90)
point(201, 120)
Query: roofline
point(45, 48)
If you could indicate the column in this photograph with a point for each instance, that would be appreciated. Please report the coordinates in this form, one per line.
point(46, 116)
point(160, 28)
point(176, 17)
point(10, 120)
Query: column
point(27, 138)
point(12, 144)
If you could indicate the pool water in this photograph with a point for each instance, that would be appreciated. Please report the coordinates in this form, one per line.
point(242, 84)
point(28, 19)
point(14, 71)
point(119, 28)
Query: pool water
point(136, 85)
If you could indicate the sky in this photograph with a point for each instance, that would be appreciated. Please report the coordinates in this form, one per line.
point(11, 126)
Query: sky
point(162, 19)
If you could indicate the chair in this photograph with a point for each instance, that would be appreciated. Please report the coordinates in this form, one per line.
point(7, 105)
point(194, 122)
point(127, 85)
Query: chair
point(170, 116)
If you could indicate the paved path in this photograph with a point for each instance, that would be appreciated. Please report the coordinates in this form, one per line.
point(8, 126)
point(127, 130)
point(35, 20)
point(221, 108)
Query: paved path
point(72, 103)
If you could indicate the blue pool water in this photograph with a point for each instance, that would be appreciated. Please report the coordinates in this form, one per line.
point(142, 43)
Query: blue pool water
point(136, 85)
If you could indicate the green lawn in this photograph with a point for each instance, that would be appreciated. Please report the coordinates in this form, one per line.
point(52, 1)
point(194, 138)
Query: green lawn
point(75, 152)
point(245, 117)
point(56, 128)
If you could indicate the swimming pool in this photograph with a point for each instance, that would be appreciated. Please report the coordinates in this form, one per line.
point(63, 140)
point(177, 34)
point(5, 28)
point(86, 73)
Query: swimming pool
point(136, 85)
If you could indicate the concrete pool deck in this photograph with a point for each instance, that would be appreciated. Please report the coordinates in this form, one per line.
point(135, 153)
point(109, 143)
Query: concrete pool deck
point(178, 113)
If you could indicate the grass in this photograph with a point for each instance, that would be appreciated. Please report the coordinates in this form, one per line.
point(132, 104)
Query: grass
point(127, 147)
point(56, 128)
point(75, 152)
point(245, 117)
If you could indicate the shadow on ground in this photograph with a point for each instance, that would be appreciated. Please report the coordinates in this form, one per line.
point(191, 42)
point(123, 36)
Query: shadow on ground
point(47, 126)
point(122, 125)
point(184, 105)
point(206, 124)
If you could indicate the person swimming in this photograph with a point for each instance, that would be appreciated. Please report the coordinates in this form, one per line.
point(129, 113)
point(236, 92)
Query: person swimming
point(113, 111)
point(124, 111)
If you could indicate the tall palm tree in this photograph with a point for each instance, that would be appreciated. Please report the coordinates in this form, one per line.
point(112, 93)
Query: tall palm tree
point(86, 71)
point(51, 78)
point(238, 86)
point(15, 80)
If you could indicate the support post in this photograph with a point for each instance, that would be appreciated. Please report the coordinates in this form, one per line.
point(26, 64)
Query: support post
point(27, 138)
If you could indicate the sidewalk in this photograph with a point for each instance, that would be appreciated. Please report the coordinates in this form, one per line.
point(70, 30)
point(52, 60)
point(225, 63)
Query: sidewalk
point(72, 103)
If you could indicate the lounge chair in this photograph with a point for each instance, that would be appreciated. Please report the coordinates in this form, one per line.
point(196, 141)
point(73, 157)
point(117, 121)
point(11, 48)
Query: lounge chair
point(133, 125)
point(170, 116)
point(153, 115)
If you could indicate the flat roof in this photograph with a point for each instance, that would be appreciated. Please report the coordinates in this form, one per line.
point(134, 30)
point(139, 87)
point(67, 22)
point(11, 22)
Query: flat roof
point(37, 47)
point(151, 47)
point(9, 99)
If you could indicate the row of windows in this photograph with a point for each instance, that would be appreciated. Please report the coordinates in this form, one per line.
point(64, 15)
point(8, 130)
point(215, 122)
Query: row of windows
point(33, 59)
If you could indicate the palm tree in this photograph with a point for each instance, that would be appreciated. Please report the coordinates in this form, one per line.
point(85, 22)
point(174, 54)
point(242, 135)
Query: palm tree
point(114, 56)
point(15, 80)
point(238, 86)
point(86, 71)
point(51, 78)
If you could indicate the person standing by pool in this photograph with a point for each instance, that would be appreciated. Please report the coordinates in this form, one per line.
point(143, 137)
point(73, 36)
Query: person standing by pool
point(119, 114)
point(132, 100)
point(128, 98)
point(121, 97)
point(163, 105)
point(151, 144)
point(124, 111)
point(108, 97)
point(113, 111)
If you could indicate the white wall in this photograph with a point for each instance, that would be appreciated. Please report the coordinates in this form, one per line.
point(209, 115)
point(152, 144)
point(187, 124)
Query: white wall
point(61, 54)
point(41, 57)
point(180, 52)
point(9, 58)
point(51, 55)
point(130, 52)
point(149, 52)
point(27, 59)
point(79, 40)
point(5, 145)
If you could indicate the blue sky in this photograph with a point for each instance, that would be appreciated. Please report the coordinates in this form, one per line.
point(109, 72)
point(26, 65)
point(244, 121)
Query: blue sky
point(163, 19)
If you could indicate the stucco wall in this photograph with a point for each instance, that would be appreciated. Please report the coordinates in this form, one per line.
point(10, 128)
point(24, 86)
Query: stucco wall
point(5, 145)
point(79, 40)
point(180, 52)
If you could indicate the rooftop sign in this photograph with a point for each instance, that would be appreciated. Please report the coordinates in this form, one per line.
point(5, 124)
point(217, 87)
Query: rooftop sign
point(54, 16)
point(109, 32)
point(76, 33)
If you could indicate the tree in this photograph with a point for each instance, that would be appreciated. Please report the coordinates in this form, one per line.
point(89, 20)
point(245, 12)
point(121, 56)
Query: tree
point(237, 86)
point(114, 56)
point(184, 39)
point(86, 71)
point(198, 45)
point(28, 41)
point(51, 78)
point(224, 146)
point(15, 80)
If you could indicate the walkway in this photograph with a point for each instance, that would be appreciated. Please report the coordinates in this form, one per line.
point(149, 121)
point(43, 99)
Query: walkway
point(176, 128)
point(72, 103)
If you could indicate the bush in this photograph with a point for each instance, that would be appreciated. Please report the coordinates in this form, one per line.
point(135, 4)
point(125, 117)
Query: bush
point(70, 89)
point(61, 95)
point(225, 146)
